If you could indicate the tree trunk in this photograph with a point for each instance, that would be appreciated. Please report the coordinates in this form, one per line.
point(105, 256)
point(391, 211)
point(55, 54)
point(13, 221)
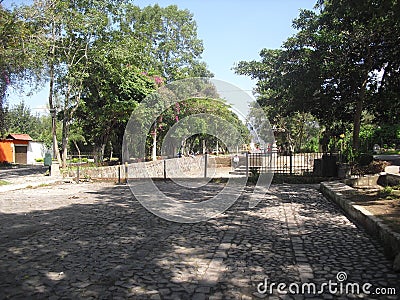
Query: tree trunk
point(2, 115)
point(359, 104)
point(79, 150)
point(65, 131)
point(99, 153)
point(154, 149)
point(357, 124)
point(56, 152)
point(100, 146)
point(358, 114)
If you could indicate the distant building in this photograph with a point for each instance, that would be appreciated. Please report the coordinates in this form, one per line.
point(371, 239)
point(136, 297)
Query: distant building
point(21, 149)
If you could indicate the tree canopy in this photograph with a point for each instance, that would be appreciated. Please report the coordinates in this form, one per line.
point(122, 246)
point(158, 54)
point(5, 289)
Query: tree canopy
point(343, 60)
point(100, 58)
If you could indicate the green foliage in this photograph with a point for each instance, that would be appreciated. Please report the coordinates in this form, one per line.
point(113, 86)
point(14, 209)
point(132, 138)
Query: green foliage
point(329, 68)
point(387, 191)
point(387, 135)
point(19, 119)
point(104, 57)
point(77, 160)
point(348, 155)
point(16, 62)
point(194, 143)
point(311, 145)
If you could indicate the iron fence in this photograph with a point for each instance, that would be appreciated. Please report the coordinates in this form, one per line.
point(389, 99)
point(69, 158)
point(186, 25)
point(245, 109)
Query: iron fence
point(292, 163)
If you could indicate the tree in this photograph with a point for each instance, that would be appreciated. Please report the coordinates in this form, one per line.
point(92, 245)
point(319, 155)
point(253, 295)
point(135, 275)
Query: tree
point(19, 119)
point(123, 48)
point(331, 66)
point(16, 46)
point(169, 36)
point(183, 138)
point(69, 29)
point(147, 48)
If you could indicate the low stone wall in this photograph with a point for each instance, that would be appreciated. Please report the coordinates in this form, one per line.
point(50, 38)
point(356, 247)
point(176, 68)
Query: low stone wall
point(382, 179)
point(362, 181)
point(335, 191)
point(175, 167)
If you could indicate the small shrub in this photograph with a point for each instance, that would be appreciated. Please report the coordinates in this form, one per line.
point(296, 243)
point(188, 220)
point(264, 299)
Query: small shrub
point(5, 164)
point(374, 167)
point(77, 160)
point(365, 159)
point(387, 191)
point(40, 159)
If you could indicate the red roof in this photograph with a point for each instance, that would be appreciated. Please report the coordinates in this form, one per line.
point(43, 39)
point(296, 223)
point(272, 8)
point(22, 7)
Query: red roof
point(20, 137)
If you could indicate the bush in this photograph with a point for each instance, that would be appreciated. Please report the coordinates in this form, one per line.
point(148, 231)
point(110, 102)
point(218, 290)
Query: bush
point(40, 159)
point(387, 191)
point(76, 160)
point(5, 164)
point(365, 159)
point(374, 167)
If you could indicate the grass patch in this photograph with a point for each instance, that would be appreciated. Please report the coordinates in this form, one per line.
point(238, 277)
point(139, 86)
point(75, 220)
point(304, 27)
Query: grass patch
point(3, 182)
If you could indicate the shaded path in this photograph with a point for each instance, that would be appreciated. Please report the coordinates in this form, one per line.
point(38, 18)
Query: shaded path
point(94, 241)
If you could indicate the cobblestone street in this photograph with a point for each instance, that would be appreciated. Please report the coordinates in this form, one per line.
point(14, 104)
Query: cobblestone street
point(95, 241)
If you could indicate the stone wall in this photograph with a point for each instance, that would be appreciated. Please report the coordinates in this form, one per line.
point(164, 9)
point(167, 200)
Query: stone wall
point(175, 167)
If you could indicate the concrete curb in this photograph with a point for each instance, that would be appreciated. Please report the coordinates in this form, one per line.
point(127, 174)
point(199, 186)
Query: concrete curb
point(373, 225)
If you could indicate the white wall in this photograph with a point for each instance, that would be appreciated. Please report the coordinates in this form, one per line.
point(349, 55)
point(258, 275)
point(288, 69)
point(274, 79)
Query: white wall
point(35, 150)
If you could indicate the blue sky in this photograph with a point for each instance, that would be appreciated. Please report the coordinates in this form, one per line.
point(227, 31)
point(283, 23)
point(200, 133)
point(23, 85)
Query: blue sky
point(231, 30)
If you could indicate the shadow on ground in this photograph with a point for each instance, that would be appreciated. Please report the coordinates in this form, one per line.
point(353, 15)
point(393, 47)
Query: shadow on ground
point(19, 171)
point(114, 248)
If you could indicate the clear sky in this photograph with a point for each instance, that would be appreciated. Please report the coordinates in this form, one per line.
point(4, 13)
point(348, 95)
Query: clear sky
point(231, 30)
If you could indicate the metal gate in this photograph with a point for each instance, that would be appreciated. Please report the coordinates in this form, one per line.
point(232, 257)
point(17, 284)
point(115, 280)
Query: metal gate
point(274, 162)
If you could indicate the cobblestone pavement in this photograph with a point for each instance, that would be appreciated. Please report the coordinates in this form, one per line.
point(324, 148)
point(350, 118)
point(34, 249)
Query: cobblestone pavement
point(22, 174)
point(95, 241)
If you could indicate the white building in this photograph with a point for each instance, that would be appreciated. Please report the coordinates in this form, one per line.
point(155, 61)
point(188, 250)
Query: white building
point(35, 150)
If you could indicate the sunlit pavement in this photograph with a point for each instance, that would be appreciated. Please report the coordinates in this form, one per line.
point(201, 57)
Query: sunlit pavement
point(95, 241)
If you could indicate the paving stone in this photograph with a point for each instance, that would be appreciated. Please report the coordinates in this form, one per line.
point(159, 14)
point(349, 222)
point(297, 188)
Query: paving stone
point(108, 246)
point(199, 296)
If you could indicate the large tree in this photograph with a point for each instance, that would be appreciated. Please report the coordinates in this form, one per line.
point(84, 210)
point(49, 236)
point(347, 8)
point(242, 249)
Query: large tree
point(16, 47)
point(148, 48)
point(332, 67)
point(67, 30)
